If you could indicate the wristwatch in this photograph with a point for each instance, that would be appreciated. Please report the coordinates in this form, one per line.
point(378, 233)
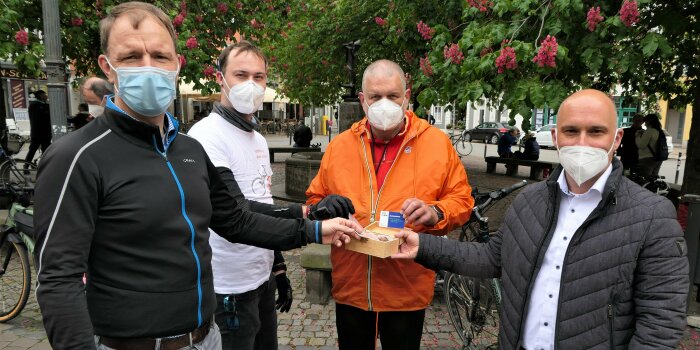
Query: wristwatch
point(439, 213)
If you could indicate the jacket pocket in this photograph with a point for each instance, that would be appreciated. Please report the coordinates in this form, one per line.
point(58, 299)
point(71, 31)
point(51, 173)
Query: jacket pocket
point(611, 325)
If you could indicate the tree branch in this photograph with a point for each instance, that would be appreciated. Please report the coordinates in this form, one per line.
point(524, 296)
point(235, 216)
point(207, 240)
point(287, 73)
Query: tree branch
point(544, 15)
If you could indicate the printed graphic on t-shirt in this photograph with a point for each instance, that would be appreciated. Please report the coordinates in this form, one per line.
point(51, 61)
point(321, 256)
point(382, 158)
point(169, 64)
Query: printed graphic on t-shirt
point(262, 184)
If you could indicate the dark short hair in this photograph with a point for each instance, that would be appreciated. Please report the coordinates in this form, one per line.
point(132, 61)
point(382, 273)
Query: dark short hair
point(83, 107)
point(38, 93)
point(101, 88)
point(240, 47)
point(136, 11)
point(653, 121)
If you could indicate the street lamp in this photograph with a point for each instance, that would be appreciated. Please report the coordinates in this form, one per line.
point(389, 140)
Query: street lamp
point(55, 67)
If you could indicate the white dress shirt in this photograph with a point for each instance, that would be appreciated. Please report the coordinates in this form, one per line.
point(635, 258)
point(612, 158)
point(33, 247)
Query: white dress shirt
point(540, 322)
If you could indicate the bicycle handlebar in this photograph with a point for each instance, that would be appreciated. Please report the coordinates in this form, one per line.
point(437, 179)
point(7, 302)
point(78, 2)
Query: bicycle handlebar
point(508, 190)
point(498, 194)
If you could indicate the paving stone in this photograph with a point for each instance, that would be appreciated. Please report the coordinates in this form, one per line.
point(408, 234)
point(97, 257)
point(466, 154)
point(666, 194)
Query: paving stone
point(24, 343)
point(317, 341)
point(299, 341)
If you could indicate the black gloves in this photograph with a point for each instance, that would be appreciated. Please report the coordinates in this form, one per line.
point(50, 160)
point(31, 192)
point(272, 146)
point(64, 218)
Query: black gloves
point(284, 293)
point(331, 206)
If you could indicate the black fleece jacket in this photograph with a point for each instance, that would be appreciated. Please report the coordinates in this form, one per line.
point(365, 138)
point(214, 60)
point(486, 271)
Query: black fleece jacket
point(113, 202)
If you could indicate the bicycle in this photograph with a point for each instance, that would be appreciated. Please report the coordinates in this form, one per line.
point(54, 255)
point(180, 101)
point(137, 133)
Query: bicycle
point(655, 184)
point(462, 144)
point(13, 170)
point(17, 245)
point(473, 303)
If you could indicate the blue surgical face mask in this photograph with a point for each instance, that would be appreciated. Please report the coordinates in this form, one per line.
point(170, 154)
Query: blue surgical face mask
point(147, 90)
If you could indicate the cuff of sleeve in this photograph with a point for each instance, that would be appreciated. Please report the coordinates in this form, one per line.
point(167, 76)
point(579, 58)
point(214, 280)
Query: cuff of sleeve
point(297, 211)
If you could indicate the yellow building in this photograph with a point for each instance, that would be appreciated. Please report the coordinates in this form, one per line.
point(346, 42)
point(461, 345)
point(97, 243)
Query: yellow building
point(676, 122)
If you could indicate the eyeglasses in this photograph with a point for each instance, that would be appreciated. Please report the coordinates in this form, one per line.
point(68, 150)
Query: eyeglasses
point(232, 321)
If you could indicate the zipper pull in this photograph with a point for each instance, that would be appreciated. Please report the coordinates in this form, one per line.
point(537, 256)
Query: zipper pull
point(610, 311)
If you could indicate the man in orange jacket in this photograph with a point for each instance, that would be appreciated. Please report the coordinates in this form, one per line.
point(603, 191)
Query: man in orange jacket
point(390, 161)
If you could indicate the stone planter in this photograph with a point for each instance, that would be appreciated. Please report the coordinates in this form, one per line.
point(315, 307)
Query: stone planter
point(300, 169)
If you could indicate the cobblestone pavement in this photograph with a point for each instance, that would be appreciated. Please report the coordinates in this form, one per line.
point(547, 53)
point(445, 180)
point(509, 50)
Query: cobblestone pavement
point(310, 326)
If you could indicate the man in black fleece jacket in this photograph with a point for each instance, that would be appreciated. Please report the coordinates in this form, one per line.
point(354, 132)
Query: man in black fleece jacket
point(129, 202)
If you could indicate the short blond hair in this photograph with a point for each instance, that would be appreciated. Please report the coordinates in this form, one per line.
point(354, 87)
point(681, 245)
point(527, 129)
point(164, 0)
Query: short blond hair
point(136, 12)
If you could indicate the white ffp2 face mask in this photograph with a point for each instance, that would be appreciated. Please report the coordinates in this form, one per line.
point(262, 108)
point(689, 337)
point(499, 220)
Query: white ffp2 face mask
point(582, 163)
point(385, 114)
point(246, 97)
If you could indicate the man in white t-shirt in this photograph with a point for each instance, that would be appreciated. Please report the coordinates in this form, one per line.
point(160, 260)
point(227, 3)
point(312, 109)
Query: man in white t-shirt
point(243, 275)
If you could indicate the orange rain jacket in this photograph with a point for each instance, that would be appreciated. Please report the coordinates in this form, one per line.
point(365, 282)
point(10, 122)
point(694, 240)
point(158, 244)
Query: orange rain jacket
point(427, 168)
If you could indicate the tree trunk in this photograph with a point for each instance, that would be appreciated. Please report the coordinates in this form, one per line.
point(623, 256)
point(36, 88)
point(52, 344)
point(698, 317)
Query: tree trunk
point(691, 178)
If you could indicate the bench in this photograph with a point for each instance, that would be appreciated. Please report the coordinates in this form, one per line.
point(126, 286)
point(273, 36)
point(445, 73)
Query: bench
point(292, 150)
point(315, 258)
point(536, 166)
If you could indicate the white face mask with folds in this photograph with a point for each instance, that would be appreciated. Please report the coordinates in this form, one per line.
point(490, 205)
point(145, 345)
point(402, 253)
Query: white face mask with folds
point(582, 163)
point(245, 97)
point(385, 114)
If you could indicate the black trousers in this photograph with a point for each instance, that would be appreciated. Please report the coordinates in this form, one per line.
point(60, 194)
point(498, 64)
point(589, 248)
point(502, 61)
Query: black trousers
point(256, 326)
point(34, 146)
point(397, 330)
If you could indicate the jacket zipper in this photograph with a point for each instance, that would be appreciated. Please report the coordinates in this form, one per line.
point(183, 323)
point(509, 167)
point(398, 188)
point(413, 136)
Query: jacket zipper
point(594, 215)
point(611, 322)
point(190, 226)
point(534, 268)
point(373, 207)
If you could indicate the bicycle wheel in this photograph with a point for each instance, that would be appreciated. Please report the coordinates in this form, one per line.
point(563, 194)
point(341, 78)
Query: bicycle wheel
point(473, 307)
point(463, 147)
point(15, 280)
point(18, 171)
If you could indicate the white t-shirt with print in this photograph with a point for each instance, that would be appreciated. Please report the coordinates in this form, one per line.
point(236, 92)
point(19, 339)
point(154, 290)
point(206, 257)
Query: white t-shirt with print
point(238, 268)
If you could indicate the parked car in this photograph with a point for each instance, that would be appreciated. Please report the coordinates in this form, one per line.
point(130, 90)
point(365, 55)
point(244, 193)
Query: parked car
point(543, 135)
point(489, 132)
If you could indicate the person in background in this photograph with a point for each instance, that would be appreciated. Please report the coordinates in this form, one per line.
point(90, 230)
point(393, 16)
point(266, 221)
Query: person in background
point(94, 91)
point(646, 141)
point(82, 118)
point(531, 149)
point(302, 135)
point(628, 151)
point(40, 124)
point(507, 140)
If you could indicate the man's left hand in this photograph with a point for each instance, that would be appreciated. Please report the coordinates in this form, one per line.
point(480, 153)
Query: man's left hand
point(284, 293)
point(416, 212)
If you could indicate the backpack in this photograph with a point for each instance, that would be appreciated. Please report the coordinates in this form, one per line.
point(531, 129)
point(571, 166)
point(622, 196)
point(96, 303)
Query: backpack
point(661, 150)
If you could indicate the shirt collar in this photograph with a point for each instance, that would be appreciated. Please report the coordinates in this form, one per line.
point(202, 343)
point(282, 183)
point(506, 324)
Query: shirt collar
point(598, 186)
point(168, 126)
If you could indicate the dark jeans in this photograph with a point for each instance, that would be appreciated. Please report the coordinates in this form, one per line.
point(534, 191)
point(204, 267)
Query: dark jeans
point(647, 167)
point(358, 329)
point(34, 146)
point(257, 319)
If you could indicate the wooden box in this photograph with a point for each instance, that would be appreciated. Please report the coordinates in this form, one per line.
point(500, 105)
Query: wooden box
point(373, 247)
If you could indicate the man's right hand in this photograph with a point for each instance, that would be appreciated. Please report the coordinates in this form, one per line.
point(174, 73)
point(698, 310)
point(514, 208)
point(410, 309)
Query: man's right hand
point(409, 248)
point(331, 206)
point(340, 231)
